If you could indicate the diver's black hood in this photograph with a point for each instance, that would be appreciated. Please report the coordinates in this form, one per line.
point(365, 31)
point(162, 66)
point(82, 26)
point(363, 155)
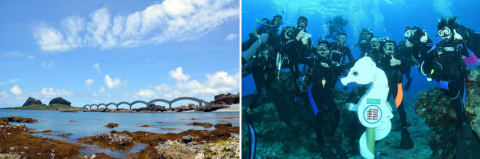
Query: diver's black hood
point(446, 22)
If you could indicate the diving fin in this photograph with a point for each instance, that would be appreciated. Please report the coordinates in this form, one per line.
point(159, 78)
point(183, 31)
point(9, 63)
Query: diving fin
point(341, 154)
point(253, 142)
point(326, 152)
point(408, 84)
point(406, 142)
point(468, 144)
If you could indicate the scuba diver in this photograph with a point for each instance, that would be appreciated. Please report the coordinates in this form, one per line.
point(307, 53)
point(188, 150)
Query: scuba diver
point(470, 37)
point(298, 49)
point(263, 67)
point(391, 63)
point(364, 41)
point(336, 26)
point(418, 40)
point(263, 26)
point(409, 61)
point(321, 77)
point(376, 43)
point(339, 50)
point(445, 65)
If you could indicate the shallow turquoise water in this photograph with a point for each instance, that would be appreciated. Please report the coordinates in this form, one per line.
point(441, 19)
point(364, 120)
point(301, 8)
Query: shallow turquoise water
point(92, 123)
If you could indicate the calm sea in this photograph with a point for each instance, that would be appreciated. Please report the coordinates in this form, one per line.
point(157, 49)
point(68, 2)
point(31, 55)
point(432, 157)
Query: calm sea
point(92, 123)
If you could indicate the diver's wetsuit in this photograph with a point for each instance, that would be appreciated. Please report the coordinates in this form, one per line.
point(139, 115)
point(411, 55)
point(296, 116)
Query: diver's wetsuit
point(262, 27)
point(419, 49)
point(336, 26)
point(409, 61)
point(321, 82)
point(364, 48)
point(395, 77)
point(447, 67)
point(296, 52)
point(471, 38)
point(338, 53)
point(262, 68)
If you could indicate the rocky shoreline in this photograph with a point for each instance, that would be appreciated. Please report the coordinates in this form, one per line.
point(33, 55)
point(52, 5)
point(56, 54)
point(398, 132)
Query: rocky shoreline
point(17, 141)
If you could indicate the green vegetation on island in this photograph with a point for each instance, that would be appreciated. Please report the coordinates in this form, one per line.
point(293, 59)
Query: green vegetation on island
point(54, 104)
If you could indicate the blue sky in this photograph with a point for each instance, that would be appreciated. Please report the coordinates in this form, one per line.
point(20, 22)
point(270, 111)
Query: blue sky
point(110, 51)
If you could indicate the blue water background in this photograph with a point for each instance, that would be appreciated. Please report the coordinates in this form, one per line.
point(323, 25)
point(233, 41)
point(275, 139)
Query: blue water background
point(92, 123)
point(383, 17)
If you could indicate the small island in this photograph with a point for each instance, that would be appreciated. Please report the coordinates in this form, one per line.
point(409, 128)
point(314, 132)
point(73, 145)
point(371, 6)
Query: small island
point(55, 104)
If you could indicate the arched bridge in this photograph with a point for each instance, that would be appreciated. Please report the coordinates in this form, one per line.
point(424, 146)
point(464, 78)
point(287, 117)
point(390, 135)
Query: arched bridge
point(169, 102)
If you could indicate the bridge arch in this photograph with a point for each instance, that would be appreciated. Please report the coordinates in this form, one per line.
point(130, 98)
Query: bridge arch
point(200, 101)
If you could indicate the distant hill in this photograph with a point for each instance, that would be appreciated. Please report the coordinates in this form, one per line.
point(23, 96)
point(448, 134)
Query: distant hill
point(55, 103)
point(32, 101)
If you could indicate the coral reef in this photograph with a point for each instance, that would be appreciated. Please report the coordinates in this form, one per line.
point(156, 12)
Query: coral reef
point(436, 108)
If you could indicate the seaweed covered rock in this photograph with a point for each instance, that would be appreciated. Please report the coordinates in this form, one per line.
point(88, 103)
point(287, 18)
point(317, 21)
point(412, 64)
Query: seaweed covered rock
point(19, 119)
point(59, 100)
point(206, 124)
point(32, 101)
point(227, 98)
point(111, 125)
point(436, 108)
point(115, 140)
point(211, 107)
point(153, 107)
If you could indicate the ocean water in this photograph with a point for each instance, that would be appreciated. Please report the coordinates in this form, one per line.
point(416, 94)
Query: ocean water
point(92, 123)
point(386, 18)
point(283, 133)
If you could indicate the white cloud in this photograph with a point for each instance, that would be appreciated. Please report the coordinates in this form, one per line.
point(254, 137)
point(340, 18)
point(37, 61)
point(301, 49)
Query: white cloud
point(16, 90)
point(89, 82)
point(11, 81)
point(178, 74)
point(4, 96)
point(52, 93)
point(13, 68)
point(49, 65)
point(216, 83)
point(16, 54)
point(49, 39)
point(231, 37)
point(97, 67)
point(170, 20)
point(73, 24)
point(112, 83)
point(101, 90)
point(145, 93)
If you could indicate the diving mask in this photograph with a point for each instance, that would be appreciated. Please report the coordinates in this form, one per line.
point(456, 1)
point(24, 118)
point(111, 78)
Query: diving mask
point(289, 34)
point(322, 50)
point(342, 38)
point(409, 33)
point(389, 48)
point(365, 35)
point(444, 32)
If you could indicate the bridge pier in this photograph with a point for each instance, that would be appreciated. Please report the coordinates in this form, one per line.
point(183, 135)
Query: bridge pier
point(170, 105)
point(90, 107)
point(130, 107)
point(97, 107)
point(200, 104)
point(117, 107)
